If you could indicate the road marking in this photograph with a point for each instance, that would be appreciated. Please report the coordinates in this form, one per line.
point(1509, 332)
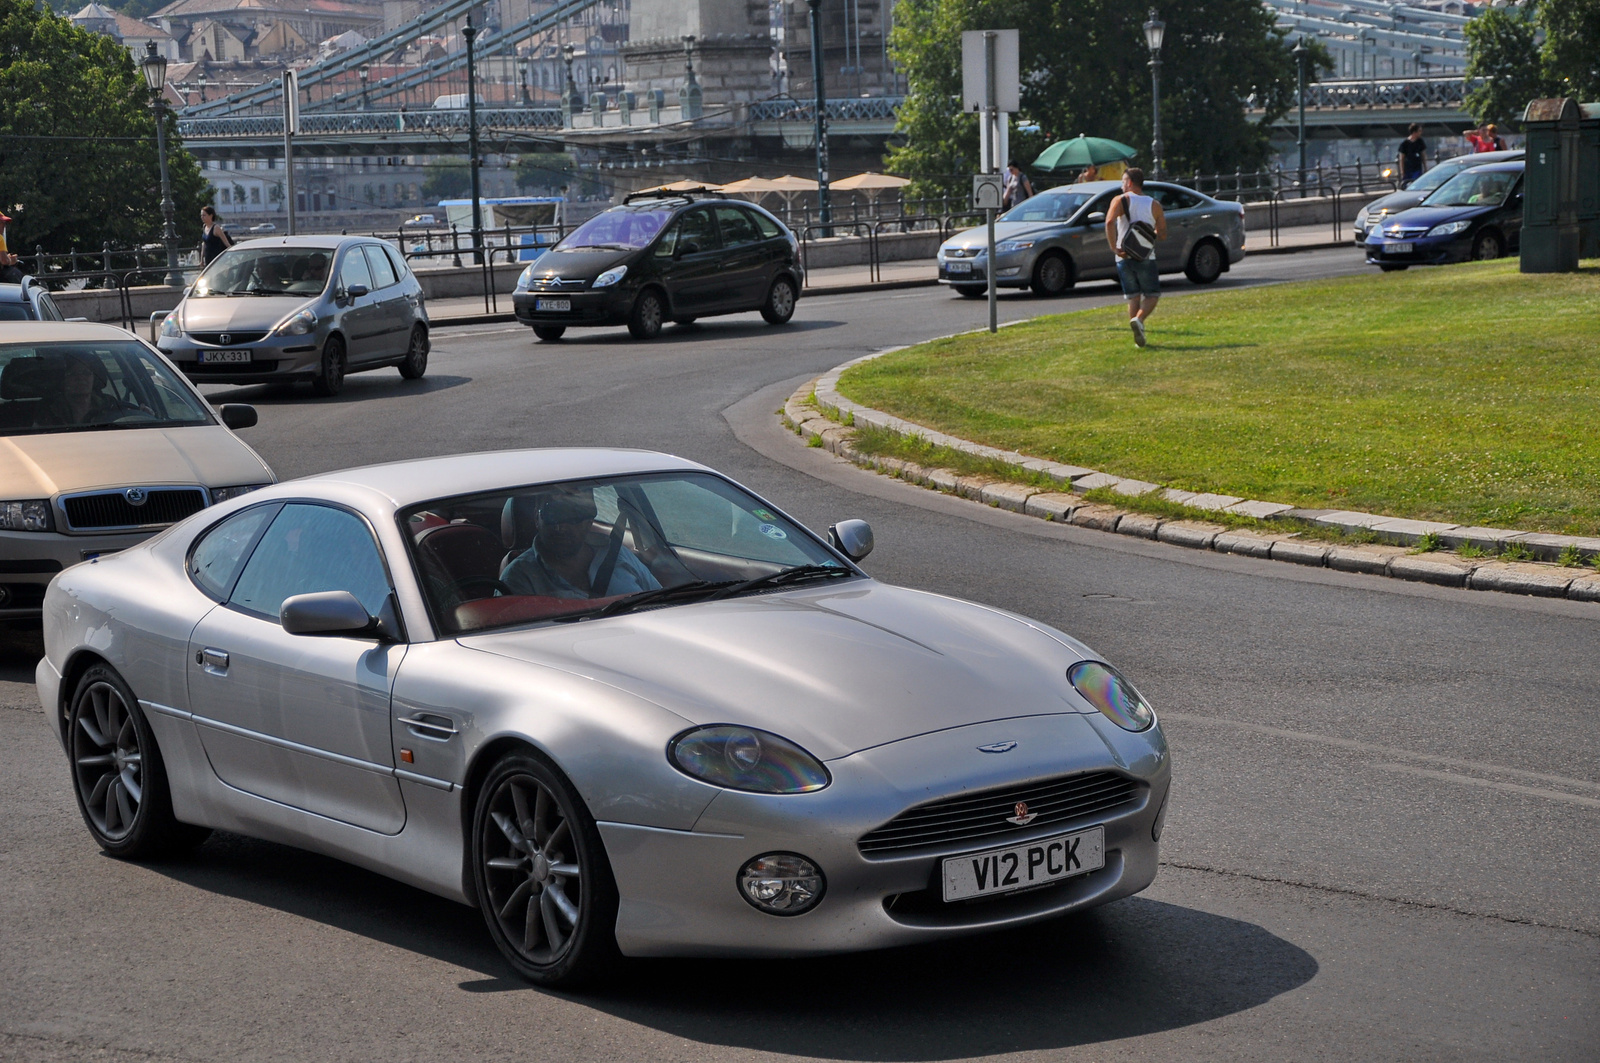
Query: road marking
point(1387, 751)
point(1508, 787)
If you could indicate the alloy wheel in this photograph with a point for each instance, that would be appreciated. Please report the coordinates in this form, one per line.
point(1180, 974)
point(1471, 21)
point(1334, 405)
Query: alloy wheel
point(416, 363)
point(108, 761)
point(329, 380)
point(1487, 246)
point(531, 871)
point(1205, 263)
point(645, 321)
point(1051, 276)
point(779, 307)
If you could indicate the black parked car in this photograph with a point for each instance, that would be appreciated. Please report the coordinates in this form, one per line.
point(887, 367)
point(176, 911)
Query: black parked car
point(663, 258)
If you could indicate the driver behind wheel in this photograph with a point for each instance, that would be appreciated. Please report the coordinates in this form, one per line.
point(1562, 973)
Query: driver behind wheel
point(564, 563)
point(82, 398)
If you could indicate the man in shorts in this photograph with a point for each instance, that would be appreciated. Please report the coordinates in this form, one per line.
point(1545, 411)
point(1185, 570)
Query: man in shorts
point(1141, 278)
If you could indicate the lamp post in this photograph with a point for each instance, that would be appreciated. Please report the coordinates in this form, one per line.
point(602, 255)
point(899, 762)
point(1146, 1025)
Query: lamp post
point(366, 72)
point(154, 66)
point(470, 33)
point(824, 208)
point(202, 84)
point(1154, 31)
point(1300, 52)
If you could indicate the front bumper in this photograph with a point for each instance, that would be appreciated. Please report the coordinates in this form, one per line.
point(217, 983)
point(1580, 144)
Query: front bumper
point(1425, 251)
point(678, 888)
point(1014, 270)
point(30, 560)
point(273, 359)
point(608, 306)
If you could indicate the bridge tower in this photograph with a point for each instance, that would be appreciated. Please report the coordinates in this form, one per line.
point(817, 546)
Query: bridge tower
point(733, 49)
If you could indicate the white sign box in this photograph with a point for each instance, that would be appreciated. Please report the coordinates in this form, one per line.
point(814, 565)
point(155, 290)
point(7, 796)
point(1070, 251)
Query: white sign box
point(1007, 75)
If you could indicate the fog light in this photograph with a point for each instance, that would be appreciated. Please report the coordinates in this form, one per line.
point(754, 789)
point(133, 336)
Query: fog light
point(781, 883)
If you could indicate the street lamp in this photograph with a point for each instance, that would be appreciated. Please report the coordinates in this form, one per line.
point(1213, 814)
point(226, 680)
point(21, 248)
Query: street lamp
point(202, 83)
point(824, 209)
point(154, 66)
point(1154, 31)
point(1300, 53)
point(470, 33)
point(366, 72)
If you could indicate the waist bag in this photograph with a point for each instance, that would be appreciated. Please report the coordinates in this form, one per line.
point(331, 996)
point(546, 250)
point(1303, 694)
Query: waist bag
point(1140, 240)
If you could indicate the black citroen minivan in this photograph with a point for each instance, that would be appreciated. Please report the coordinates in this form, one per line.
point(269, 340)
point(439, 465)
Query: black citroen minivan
point(663, 258)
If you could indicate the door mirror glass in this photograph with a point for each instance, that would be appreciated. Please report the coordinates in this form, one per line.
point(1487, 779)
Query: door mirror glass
point(852, 538)
point(325, 613)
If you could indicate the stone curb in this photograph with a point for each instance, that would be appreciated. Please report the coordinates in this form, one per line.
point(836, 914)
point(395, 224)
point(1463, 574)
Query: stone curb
point(1067, 506)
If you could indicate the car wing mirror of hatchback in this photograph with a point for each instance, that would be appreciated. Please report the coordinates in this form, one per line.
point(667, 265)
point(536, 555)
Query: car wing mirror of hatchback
point(690, 248)
point(1097, 218)
point(337, 613)
point(237, 415)
point(852, 538)
point(356, 291)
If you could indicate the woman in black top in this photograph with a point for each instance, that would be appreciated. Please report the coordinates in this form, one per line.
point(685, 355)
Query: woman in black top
point(214, 238)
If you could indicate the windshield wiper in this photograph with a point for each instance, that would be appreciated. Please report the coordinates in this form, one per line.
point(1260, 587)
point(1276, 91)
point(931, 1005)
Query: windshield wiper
point(655, 594)
point(597, 247)
point(798, 574)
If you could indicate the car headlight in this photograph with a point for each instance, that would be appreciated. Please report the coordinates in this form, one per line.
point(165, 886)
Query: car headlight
point(297, 324)
point(32, 515)
point(1012, 245)
point(1103, 687)
point(1450, 228)
point(742, 758)
point(223, 494)
point(610, 276)
point(525, 279)
point(169, 325)
point(781, 883)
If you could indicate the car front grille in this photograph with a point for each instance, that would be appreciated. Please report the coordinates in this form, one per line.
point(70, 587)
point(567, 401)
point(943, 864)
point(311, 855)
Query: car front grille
point(112, 509)
point(235, 339)
point(1395, 233)
point(975, 817)
point(557, 284)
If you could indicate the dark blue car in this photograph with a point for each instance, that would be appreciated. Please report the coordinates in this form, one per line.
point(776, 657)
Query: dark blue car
point(1476, 214)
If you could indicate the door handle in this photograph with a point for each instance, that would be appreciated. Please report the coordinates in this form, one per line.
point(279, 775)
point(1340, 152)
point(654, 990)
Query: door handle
point(427, 725)
point(213, 660)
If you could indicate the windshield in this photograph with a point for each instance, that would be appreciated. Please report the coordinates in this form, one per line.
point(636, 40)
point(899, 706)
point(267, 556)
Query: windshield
point(593, 548)
point(299, 271)
point(79, 387)
point(626, 230)
point(1472, 188)
point(1436, 176)
point(1047, 206)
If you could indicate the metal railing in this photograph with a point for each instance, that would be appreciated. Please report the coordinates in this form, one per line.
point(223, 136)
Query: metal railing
point(374, 122)
point(843, 110)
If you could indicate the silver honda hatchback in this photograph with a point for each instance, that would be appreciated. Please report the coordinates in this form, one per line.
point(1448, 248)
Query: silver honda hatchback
point(300, 308)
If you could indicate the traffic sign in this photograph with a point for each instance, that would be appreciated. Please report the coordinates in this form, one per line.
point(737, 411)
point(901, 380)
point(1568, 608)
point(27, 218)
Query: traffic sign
point(975, 91)
point(987, 191)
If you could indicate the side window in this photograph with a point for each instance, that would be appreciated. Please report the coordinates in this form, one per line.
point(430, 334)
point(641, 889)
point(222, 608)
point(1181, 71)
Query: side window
point(47, 308)
point(354, 270)
point(769, 229)
point(695, 232)
point(311, 548)
point(669, 241)
point(217, 557)
point(382, 269)
point(737, 229)
point(1101, 205)
point(398, 261)
point(1174, 198)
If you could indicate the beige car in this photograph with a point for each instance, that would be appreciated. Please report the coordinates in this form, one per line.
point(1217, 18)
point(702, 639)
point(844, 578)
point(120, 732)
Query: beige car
point(102, 444)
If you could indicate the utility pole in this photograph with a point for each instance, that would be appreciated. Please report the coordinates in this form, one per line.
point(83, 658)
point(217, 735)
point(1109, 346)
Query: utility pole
point(470, 32)
point(291, 121)
point(1300, 51)
point(991, 115)
point(824, 209)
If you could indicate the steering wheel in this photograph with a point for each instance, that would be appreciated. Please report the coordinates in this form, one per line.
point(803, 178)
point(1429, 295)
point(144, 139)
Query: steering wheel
point(456, 588)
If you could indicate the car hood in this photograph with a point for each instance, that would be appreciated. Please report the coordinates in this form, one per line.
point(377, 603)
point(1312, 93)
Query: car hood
point(1428, 217)
point(1395, 202)
point(837, 670)
point(38, 466)
point(252, 313)
point(579, 264)
point(1003, 231)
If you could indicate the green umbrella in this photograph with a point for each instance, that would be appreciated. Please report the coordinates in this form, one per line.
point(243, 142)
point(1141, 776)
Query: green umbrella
point(1080, 151)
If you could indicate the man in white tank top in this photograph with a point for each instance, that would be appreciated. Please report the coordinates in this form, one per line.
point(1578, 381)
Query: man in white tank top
point(1141, 278)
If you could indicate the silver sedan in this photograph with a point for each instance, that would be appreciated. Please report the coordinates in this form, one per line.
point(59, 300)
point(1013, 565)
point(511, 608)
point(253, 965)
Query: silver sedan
point(299, 308)
point(1057, 238)
point(612, 699)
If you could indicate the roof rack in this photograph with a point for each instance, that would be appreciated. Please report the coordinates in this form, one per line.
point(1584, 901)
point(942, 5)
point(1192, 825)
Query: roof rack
point(685, 194)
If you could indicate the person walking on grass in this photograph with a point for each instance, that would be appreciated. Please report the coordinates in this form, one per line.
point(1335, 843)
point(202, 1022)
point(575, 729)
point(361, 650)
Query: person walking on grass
point(1134, 224)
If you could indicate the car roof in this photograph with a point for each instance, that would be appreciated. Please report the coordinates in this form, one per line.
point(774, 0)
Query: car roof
point(1509, 166)
point(1484, 157)
point(320, 243)
point(60, 332)
point(407, 483)
point(11, 293)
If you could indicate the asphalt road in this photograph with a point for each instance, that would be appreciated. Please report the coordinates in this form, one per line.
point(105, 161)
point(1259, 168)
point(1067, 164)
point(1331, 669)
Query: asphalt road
point(1383, 841)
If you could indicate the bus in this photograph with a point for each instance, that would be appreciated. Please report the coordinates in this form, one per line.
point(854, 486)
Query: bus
point(518, 212)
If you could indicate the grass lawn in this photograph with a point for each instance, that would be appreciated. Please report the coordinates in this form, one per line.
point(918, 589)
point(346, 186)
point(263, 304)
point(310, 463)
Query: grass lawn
point(1466, 393)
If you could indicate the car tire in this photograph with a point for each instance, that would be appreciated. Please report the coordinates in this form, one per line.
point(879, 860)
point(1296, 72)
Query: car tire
point(416, 362)
point(1052, 276)
point(778, 307)
point(971, 291)
point(329, 380)
point(1392, 267)
point(1205, 263)
point(118, 776)
point(644, 322)
point(543, 881)
point(1488, 245)
point(549, 333)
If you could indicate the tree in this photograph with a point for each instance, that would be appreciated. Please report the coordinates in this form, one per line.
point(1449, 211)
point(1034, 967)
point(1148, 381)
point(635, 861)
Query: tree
point(1536, 50)
point(1086, 70)
point(446, 179)
point(1571, 53)
point(78, 163)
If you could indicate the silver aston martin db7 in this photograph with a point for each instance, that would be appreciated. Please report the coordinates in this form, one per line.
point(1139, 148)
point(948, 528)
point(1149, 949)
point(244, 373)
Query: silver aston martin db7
point(614, 700)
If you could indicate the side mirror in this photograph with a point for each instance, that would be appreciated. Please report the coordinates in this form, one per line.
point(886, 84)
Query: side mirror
point(690, 248)
point(1097, 218)
point(336, 613)
point(356, 291)
point(237, 415)
point(852, 538)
